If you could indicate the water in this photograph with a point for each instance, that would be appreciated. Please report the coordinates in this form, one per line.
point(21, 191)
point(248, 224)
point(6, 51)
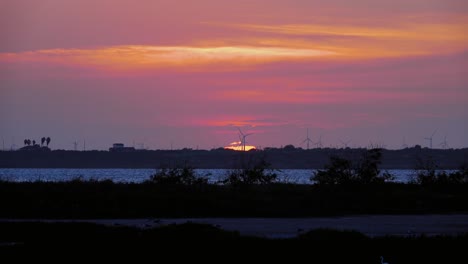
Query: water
point(140, 175)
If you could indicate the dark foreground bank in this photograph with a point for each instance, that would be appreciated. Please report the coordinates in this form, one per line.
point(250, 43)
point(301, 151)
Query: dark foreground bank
point(73, 241)
point(93, 200)
point(369, 225)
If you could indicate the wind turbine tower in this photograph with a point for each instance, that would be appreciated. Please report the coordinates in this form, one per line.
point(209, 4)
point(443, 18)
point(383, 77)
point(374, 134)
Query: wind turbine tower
point(444, 143)
point(308, 140)
point(242, 137)
point(319, 143)
point(430, 139)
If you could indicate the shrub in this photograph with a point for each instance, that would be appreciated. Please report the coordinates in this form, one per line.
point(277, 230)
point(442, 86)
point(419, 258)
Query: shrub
point(339, 171)
point(343, 171)
point(184, 175)
point(461, 175)
point(426, 174)
point(258, 172)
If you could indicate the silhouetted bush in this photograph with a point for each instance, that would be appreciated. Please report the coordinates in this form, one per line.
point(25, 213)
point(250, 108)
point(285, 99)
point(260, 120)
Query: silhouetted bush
point(184, 175)
point(343, 171)
point(254, 172)
point(339, 171)
point(93, 200)
point(426, 173)
point(461, 174)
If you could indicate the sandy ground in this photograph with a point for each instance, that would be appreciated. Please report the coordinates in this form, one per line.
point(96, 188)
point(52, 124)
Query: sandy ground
point(371, 225)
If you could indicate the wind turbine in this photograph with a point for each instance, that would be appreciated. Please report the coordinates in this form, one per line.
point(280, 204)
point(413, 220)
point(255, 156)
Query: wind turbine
point(75, 145)
point(319, 142)
point(242, 137)
point(444, 143)
point(13, 145)
point(308, 140)
point(241, 142)
point(430, 138)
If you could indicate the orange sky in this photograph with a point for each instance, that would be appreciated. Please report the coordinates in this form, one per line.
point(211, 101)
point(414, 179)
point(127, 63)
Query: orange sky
point(191, 72)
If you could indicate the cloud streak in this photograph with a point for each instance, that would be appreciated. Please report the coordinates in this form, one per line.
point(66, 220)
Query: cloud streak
point(153, 57)
point(405, 38)
point(430, 32)
point(270, 44)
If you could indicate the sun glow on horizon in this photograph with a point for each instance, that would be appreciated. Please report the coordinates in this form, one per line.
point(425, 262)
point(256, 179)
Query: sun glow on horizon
point(237, 146)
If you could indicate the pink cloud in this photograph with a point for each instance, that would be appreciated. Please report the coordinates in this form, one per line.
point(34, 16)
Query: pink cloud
point(195, 70)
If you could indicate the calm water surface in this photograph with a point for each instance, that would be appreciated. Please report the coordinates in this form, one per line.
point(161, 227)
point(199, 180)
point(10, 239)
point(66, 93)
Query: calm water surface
point(140, 175)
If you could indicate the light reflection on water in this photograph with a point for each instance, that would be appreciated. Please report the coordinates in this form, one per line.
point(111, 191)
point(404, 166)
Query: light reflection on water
point(140, 175)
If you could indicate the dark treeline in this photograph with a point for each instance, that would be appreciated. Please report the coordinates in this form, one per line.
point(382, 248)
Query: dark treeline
point(280, 158)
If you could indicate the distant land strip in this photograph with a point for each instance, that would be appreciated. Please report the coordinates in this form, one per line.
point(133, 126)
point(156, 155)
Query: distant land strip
point(409, 158)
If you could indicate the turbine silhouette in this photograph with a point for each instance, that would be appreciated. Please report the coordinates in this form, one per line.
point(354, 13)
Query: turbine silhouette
point(308, 140)
point(75, 145)
point(444, 143)
point(319, 143)
point(430, 138)
point(242, 138)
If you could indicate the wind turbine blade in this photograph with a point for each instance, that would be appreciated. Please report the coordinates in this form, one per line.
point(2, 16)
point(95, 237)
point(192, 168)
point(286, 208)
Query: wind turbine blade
point(240, 131)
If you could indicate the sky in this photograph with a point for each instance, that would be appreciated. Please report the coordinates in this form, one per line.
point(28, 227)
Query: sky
point(188, 74)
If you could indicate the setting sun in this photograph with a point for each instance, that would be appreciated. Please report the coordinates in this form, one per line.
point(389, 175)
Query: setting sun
point(237, 146)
